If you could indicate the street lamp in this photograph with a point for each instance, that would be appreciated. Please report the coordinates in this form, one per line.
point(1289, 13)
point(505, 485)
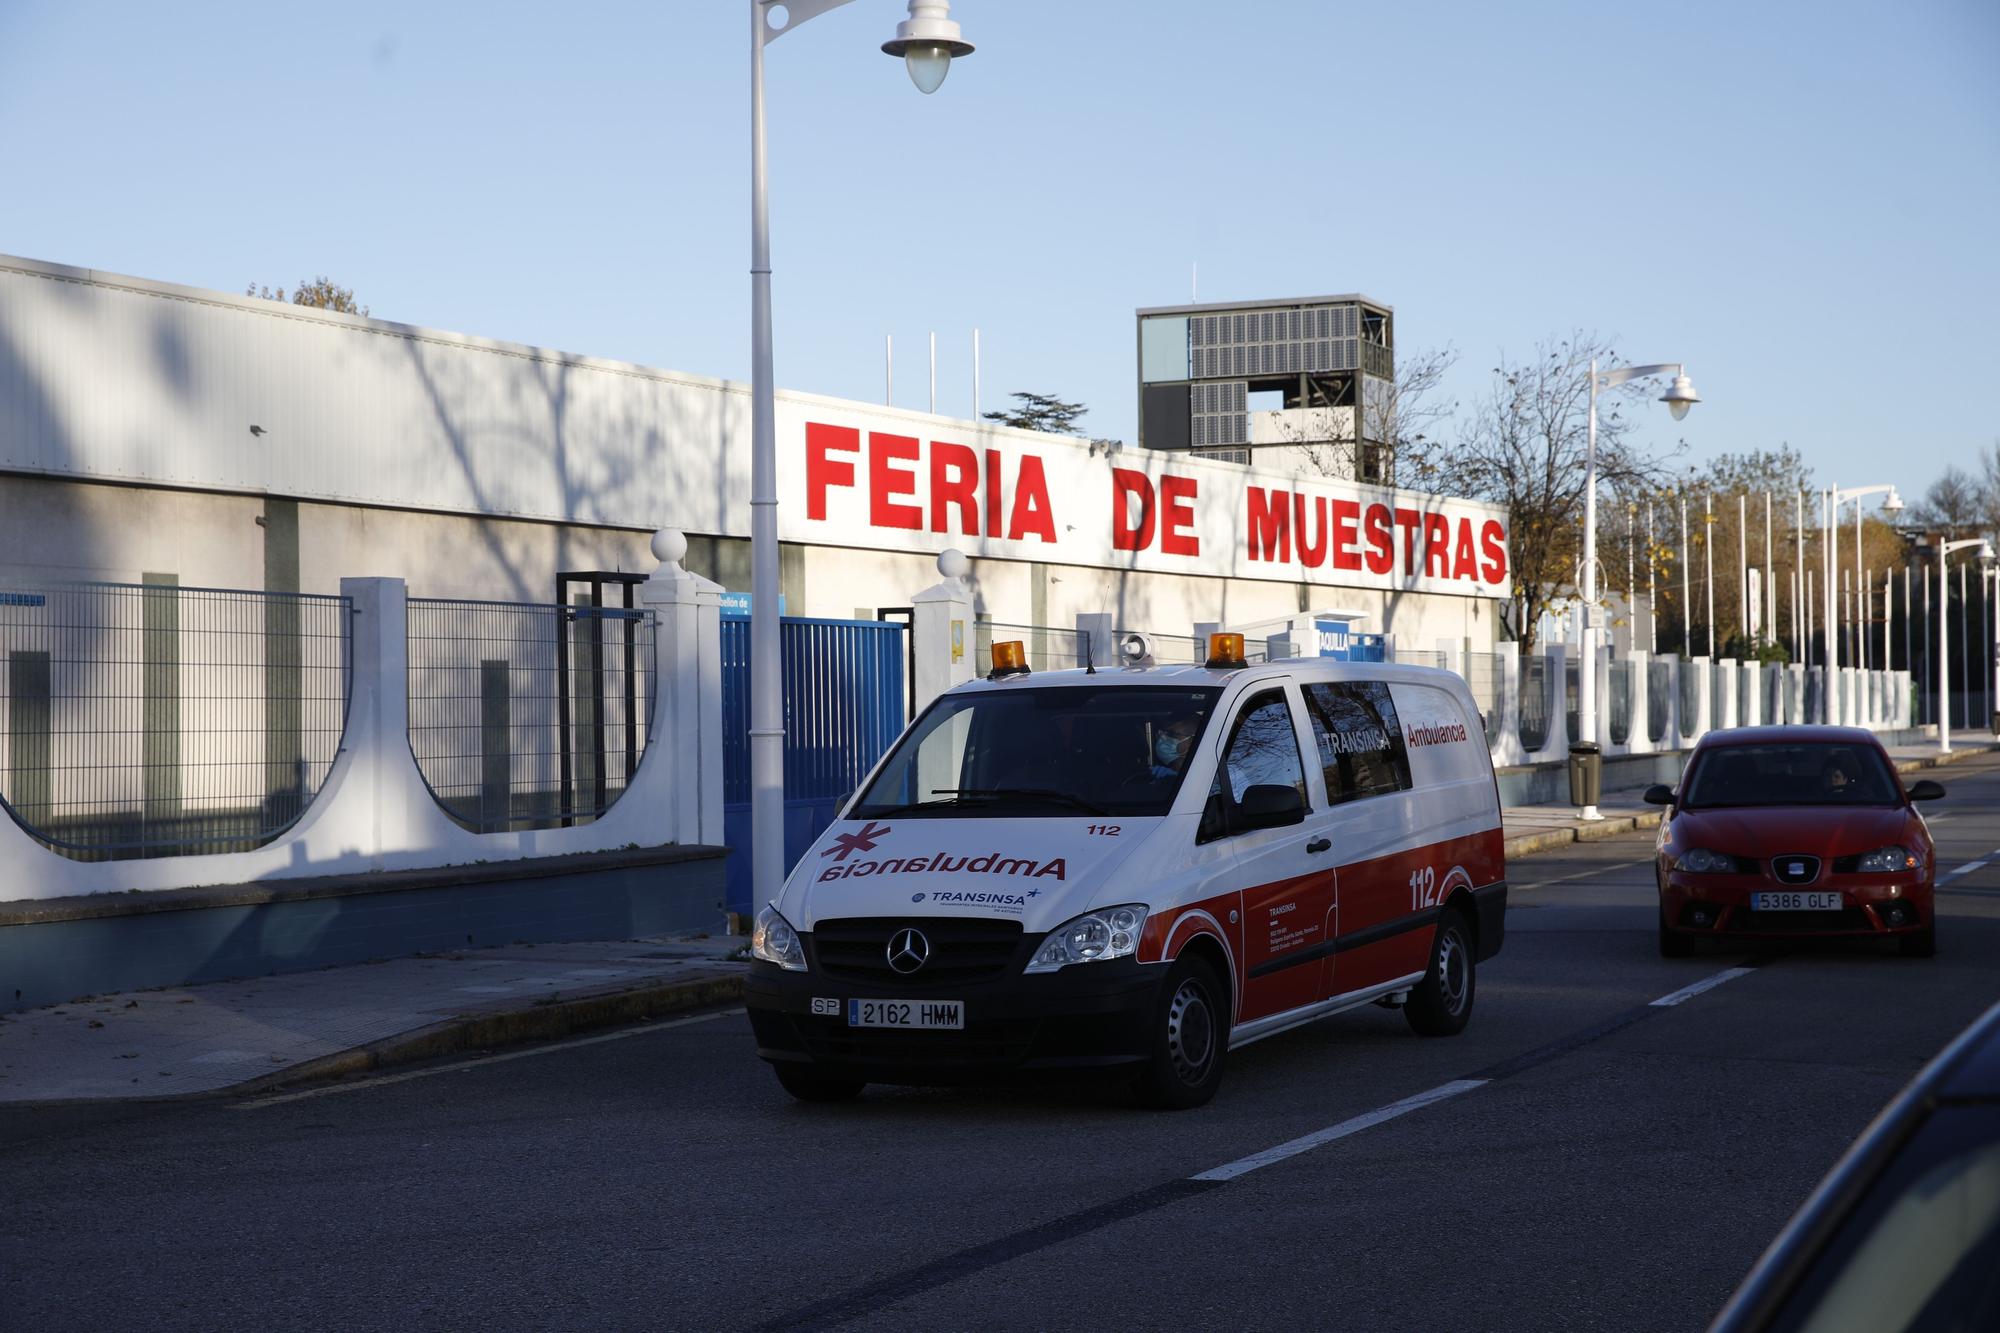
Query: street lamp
point(1836, 497)
point(1679, 397)
point(927, 41)
point(1943, 549)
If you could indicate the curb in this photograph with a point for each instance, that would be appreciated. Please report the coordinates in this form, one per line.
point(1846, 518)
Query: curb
point(511, 1027)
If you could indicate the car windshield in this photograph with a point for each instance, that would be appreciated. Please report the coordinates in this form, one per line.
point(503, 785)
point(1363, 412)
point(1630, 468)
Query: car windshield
point(1802, 773)
point(1071, 750)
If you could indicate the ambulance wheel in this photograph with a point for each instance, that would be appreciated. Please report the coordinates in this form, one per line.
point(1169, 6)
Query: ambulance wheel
point(1440, 1004)
point(1189, 1038)
point(809, 1085)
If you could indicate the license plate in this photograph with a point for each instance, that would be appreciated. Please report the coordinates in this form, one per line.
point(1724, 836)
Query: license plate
point(906, 1013)
point(1795, 902)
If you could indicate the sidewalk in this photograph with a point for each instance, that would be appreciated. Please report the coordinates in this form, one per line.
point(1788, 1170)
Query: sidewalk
point(256, 1034)
point(343, 1020)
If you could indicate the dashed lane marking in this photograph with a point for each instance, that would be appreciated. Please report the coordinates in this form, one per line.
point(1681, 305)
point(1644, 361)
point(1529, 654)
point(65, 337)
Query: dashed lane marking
point(1686, 993)
point(1243, 1166)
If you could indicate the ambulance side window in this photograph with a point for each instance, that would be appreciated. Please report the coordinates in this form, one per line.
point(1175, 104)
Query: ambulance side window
point(1359, 739)
point(1263, 751)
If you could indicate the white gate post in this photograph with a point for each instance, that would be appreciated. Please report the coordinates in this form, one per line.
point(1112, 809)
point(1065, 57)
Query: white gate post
point(1703, 720)
point(687, 717)
point(942, 631)
point(1557, 746)
point(1640, 739)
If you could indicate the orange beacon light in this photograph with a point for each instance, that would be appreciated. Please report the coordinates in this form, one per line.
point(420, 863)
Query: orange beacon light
point(1009, 659)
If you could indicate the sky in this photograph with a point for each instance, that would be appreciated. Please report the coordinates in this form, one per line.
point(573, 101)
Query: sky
point(1799, 201)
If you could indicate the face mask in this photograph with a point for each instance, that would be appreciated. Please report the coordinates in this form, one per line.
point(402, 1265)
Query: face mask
point(1167, 748)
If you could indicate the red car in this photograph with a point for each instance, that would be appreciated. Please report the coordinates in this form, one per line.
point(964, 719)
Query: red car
point(1782, 832)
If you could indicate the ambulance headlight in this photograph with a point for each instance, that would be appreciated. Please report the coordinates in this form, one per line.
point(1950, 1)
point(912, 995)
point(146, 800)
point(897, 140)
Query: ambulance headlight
point(775, 941)
point(1109, 932)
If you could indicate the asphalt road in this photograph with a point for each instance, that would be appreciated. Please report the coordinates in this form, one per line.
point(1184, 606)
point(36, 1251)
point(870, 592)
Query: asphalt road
point(1617, 1164)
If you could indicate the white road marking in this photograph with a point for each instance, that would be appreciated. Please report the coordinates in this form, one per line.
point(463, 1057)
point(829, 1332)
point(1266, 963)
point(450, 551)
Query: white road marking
point(1581, 874)
point(1244, 1165)
point(1686, 993)
point(463, 1065)
point(1968, 867)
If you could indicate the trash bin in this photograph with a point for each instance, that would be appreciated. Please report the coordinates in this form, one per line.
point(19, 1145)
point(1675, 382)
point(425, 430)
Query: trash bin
point(1586, 773)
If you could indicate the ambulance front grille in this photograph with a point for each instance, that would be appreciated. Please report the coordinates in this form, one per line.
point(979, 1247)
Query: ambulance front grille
point(962, 950)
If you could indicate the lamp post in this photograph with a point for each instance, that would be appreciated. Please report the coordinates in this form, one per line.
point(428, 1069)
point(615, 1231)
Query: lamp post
point(1835, 498)
point(927, 41)
point(1943, 550)
point(1679, 397)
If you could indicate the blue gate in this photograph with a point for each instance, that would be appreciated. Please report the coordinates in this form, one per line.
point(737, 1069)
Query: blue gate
point(844, 706)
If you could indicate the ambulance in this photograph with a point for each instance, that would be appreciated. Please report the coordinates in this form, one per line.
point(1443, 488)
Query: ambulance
point(1133, 870)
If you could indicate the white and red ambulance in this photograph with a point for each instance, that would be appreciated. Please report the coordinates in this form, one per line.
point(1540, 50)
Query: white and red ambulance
point(1135, 869)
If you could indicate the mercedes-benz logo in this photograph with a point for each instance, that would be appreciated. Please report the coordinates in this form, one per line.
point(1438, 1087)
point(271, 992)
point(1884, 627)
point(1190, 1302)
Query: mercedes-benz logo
point(908, 950)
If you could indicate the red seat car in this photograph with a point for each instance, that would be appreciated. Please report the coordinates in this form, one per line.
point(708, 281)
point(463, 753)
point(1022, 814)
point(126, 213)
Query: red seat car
point(1782, 832)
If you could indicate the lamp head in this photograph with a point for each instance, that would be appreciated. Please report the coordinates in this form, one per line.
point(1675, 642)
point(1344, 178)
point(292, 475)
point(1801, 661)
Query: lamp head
point(927, 40)
point(1894, 504)
point(1680, 396)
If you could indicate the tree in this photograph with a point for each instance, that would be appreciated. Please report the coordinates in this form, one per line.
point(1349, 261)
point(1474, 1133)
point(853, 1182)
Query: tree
point(1523, 446)
point(1036, 411)
point(1043, 412)
point(1732, 488)
point(322, 293)
point(1407, 420)
point(1956, 504)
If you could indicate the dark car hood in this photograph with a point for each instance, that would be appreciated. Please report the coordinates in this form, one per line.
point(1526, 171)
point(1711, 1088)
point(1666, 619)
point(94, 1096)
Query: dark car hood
point(1816, 830)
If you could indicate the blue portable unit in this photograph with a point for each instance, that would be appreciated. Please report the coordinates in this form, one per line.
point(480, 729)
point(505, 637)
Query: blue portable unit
point(844, 707)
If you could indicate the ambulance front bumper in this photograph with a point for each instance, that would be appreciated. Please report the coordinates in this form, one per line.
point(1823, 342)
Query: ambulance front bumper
point(1084, 1018)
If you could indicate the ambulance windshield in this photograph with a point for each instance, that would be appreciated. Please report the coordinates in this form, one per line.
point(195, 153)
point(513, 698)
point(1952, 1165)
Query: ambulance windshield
point(1067, 751)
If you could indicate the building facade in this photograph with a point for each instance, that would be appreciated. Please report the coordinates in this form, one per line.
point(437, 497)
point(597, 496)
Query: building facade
point(152, 431)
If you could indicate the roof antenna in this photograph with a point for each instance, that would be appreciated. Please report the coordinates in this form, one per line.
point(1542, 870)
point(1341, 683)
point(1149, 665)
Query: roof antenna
point(1089, 657)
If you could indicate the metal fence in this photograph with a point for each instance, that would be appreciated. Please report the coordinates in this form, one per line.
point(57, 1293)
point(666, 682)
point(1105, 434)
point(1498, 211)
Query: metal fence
point(845, 705)
point(1486, 677)
point(148, 720)
point(1572, 699)
point(1049, 647)
point(1186, 649)
point(1537, 702)
point(1618, 684)
point(1659, 698)
point(528, 715)
point(1423, 657)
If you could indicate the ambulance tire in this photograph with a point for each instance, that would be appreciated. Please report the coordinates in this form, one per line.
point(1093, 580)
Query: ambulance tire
point(1441, 1004)
point(1189, 1038)
point(809, 1085)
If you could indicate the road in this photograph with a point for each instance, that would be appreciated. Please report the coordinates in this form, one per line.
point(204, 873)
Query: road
point(1616, 1164)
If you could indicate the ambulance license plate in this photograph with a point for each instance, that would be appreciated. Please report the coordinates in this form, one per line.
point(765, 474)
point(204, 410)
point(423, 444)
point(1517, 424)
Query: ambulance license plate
point(906, 1013)
point(1795, 902)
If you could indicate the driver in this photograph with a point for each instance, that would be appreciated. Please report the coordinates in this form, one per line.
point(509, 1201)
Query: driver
point(1838, 776)
point(1173, 745)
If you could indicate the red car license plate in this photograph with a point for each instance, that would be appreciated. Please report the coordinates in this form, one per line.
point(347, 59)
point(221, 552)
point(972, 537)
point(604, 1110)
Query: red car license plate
point(1795, 902)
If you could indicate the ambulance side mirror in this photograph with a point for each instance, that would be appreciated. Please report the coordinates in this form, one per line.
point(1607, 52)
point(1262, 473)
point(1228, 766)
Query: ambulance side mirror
point(1270, 805)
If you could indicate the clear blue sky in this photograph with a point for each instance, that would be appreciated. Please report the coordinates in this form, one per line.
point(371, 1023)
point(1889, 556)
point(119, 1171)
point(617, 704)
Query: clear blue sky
point(1799, 200)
